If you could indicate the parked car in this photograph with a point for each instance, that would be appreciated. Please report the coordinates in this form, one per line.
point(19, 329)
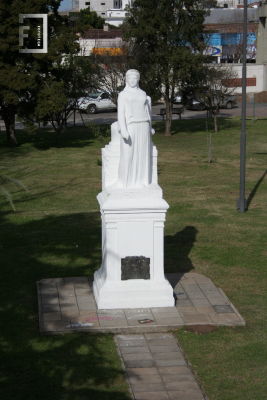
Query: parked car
point(193, 104)
point(99, 101)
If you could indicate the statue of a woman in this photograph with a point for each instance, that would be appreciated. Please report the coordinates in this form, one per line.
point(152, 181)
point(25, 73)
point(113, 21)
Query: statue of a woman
point(134, 116)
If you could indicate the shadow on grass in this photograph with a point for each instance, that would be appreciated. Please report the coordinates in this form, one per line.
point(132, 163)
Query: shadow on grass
point(67, 367)
point(256, 187)
point(177, 249)
point(196, 125)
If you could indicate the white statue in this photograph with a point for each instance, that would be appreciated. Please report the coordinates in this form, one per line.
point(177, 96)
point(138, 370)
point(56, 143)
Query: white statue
point(134, 117)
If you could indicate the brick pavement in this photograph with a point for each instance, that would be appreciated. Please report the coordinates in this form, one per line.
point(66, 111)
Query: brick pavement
point(156, 369)
point(68, 305)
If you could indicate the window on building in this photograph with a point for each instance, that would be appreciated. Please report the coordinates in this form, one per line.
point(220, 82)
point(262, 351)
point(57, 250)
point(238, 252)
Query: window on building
point(87, 3)
point(102, 4)
point(102, 13)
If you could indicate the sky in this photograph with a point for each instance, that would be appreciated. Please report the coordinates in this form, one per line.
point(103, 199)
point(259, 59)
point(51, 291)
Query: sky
point(65, 5)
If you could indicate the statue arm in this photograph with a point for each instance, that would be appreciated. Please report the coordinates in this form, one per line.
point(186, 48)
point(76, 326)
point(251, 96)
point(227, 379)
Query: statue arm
point(150, 114)
point(121, 117)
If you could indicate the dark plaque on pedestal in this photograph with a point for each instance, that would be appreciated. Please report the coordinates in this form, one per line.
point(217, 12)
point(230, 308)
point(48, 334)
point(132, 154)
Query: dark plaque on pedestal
point(135, 267)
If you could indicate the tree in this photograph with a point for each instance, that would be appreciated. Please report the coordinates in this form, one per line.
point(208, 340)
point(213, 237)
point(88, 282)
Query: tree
point(21, 73)
point(57, 98)
point(89, 20)
point(113, 64)
point(216, 89)
point(167, 42)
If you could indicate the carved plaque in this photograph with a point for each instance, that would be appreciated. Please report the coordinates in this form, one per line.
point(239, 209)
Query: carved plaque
point(135, 267)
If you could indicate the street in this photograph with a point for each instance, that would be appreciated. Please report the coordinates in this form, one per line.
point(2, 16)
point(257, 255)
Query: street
point(110, 117)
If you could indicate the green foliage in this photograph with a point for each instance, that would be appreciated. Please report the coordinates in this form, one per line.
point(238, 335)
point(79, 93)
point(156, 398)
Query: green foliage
point(160, 32)
point(89, 20)
point(96, 131)
point(22, 74)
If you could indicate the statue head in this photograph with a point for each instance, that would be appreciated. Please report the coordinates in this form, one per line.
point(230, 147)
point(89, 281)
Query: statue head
point(132, 78)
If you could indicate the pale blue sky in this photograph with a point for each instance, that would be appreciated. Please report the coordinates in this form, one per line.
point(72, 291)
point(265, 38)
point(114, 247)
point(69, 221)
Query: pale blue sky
point(65, 5)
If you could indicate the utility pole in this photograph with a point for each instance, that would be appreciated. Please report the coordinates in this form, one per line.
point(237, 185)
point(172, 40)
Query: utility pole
point(241, 203)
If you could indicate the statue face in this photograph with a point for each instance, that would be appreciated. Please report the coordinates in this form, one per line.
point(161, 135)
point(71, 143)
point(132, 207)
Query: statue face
point(132, 80)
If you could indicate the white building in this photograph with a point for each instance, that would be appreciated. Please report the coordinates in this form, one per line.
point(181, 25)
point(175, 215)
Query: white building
point(112, 10)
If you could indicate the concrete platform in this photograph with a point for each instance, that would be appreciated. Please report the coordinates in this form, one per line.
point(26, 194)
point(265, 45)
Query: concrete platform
point(68, 305)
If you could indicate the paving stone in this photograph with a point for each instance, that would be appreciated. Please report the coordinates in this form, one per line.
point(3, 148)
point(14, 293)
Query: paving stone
point(167, 315)
point(200, 302)
point(136, 311)
point(147, 387)
point(67, 300)
point(161, 342)
point(130, 340)
point(83, 292)
point(164, 349)
point(197, 294)
point(139, 363)
point(151, 396)
point(165, 310)
point(170, 363)
point(184, 303)
point(205, 310)
point(135, 322)
point(54, 326)
point(142, 372)
point(198, 318)
point(137, 356)
point(181, 296)
point(202, 279)
point(52, 316)
point(48, 287)
point(207, 286)
point(49, 300)
point(223, 309)
point(161, 336)
point(51, 281)
point(178, 378)
point(186, 309)
point(66, 286)
point(87, 306)
point(46, 291)
point(188, 281)
point(184, 386)
point(113, 322)
point(168, 356)
point(218, 302)
point(67, 316)
point(69, 308)
point(135, 349)
point(51, 308)
point(189, 395)
point(225, 318)
point(212, 293)
point(66, 293)
point(145, 379)
point(83, 321)
point(169, 321)
point(111, 312)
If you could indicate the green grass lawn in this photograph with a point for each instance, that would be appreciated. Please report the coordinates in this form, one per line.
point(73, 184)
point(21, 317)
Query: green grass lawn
point(204, 233)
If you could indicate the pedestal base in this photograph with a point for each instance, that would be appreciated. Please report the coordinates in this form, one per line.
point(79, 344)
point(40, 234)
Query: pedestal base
point(132, 271)
point(133, 293)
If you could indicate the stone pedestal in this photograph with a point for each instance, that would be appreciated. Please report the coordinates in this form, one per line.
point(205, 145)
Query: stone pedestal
point(132, 271)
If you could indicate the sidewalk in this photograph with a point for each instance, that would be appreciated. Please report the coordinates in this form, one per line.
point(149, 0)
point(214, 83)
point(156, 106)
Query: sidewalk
point(68, 305)
point(156, 369)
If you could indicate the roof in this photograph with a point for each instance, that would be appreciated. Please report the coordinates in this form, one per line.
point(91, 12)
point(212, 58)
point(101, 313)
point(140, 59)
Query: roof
point(229, 15)
point(101, 34)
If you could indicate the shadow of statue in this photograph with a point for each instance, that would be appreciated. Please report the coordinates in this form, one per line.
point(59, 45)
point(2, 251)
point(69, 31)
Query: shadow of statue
point(177, 249)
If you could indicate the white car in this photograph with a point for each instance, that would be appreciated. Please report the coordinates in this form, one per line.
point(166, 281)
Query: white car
point(98, 101)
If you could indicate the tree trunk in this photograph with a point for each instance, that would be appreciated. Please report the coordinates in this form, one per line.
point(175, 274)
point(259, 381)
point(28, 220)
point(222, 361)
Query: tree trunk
point(9, 113)
point(168, 123)
point(215, 123)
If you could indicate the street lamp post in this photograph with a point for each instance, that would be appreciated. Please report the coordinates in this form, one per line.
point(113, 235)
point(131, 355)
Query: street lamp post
point(242, 202)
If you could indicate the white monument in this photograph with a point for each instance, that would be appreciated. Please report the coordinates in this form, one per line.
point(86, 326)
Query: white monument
point(133, 210)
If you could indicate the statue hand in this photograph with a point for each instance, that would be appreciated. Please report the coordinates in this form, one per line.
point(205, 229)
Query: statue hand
point(125, 135)
point(152, 131)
